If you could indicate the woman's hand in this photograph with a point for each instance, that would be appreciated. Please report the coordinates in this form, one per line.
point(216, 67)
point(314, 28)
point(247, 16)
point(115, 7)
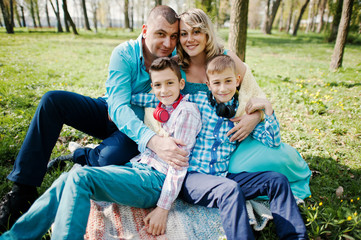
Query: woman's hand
point(246, 124)
point(156, 221)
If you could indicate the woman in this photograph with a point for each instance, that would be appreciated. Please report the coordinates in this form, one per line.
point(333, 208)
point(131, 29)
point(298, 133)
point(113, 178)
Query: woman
point(197, 44)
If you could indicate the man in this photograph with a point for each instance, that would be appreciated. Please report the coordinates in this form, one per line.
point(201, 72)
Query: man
point(124, 133)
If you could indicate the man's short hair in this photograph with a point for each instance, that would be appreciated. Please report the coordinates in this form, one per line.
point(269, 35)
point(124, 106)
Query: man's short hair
point(165, 11)
point(163, 63)
point(219, 63)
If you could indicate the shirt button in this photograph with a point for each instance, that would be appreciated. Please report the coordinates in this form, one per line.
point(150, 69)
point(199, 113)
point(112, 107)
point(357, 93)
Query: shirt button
point(214, 149)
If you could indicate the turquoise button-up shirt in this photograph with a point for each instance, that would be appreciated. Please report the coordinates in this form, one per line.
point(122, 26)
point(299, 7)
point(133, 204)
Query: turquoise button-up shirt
point(127, 76)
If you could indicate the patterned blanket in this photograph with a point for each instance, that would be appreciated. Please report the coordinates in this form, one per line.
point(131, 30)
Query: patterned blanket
point(108, 221)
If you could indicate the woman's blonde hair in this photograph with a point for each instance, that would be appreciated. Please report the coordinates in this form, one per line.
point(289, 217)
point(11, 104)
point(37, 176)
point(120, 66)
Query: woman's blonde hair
point(196, 18)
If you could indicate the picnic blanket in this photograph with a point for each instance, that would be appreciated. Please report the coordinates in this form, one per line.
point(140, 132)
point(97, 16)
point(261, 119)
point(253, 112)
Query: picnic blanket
point(108, 221)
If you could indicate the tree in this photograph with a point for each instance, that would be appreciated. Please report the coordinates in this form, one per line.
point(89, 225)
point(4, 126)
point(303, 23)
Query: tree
point(17, 15)
point(337, 56)
point(337, 11)
point(321, 12)
point(311, 15)
point(5, 9)
point(158, 2)
point(290, 16)
point(32, 12)
point(68, 18)
point(87, 26)
point(238, 28)
point(126, 14)
point(270, 14)
point(47, 13)
point(57, 14)
point(36, 3)
point(300, 17)
point(94, 9)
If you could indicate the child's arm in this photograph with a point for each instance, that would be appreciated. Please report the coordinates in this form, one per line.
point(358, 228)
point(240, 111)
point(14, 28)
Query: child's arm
point(187, 128)
point(156, 221)
point(144, 100)
point(268, 131)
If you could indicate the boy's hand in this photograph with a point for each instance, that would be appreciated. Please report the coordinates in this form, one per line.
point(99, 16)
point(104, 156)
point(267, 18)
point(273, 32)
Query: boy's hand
point(255, 104)
point(167, 148)
point(156, 221)
point(246, 124)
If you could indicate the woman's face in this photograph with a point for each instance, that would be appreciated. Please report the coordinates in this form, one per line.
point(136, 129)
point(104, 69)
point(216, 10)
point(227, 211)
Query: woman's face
point(193, 40)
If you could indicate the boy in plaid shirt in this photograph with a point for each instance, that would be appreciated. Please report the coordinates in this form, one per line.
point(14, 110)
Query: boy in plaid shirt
point(208, 182)
point(145, 182)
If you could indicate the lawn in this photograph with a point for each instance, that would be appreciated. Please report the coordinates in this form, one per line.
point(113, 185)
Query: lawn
point(319, 110)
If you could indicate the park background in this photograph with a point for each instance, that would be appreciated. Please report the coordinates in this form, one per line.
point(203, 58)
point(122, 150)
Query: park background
point(318, 108)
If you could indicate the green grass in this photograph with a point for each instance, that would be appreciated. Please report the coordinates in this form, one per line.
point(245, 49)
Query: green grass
point(319, 110)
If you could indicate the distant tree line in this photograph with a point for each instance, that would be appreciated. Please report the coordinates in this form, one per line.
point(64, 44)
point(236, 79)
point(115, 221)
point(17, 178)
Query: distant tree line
point(320, 16)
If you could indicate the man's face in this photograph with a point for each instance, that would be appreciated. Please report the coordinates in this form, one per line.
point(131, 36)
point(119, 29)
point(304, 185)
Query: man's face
point(166, 85)
point(160, 36)
point(223, 85)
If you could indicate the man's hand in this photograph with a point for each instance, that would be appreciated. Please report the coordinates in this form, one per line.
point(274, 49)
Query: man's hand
point(255, 104)
point(245, 126)
point(156, 221)
point(167, 148)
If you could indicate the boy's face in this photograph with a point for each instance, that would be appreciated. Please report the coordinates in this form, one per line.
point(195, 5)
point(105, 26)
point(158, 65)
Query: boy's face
point(223, 85)
point(166, 85)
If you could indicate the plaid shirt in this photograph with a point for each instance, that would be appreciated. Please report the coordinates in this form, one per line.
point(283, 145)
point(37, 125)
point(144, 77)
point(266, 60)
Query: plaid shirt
point(213, 149)
point(184, 124)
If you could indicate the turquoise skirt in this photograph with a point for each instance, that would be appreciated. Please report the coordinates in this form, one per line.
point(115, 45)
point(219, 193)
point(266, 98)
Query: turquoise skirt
point(253, 156)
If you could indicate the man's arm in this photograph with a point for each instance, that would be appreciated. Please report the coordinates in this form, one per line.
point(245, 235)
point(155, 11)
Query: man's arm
point(119, 89)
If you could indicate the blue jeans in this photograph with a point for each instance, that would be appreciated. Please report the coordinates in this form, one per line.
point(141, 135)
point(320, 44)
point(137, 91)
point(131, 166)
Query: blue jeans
point(230, 193)
point(86, 114)
point(67, 201)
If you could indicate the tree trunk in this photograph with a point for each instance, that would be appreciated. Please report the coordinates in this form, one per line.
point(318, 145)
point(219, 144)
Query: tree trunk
point(266, 17)
point(68, 18)
point(12, 13)
point(310, 16)
point(335, 21)
point(321, 13)
point(238, 28)
point(337, 56)
point(57, 14)
point(300, 17)
point(281, 22)
point(126, 14)
point(47, 13)
point(87, 26)
point(158, 2)
point(37, 12)
point(270, 15)
point(6, 16)
point(32, 12)
point(66, 23)
point(94, 6)
point(131, 18)
point(289, 19)
point(18, 18)
point(23, 16)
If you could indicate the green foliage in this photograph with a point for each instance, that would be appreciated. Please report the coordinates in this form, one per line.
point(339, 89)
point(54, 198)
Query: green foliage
point(319, 110)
